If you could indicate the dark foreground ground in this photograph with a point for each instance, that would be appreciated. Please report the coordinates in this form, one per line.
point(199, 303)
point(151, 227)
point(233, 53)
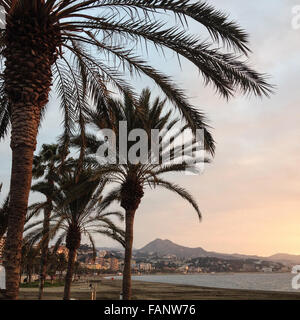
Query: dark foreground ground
point(110, 290)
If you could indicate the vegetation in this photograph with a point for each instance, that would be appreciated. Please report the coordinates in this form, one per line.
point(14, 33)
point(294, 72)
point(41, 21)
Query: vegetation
point(57, 264)
point(133, 177)
point(75, 207)
point(30, 261)
point(79, 46)
point(47, 284)
point(46, 165)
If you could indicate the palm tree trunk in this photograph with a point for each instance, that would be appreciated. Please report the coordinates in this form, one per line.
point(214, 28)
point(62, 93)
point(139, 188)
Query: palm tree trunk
point(126, 288)
point(69, 275)
point(44, 249)
point(29, 275)
point(30, 45)
point(19, 193)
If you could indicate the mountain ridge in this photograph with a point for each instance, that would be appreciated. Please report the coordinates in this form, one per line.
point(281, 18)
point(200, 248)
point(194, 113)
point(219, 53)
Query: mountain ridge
point(167, 247)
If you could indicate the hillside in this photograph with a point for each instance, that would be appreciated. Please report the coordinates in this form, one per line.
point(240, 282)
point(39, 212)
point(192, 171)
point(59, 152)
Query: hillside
point(165, 247)
point(161, 248)
point(287, 258)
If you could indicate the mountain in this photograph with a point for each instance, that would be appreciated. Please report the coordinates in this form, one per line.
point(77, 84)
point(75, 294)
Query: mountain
point(161, 248)
point(165, 247)
point(286, 258)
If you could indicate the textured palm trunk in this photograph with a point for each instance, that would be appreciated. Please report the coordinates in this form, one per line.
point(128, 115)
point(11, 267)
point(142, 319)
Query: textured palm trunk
point(30, 46)
point(69, 275)
point(72, 243)
point(44, 248)
point(126, 286)
point(19, 192)
point(131, 196)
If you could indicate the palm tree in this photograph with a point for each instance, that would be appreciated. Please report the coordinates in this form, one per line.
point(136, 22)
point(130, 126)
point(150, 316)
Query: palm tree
point(30, 259)
point(134, 177)
point(46, 165)
point(57, 263)
point(76, 212)
point(60, 40)
point(52, 266)
point(62, 264)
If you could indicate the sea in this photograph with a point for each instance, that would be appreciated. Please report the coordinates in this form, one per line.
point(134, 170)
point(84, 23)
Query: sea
point(249, 281)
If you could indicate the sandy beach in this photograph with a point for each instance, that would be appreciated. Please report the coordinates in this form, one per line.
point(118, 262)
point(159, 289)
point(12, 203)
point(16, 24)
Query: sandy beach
point(110, 290)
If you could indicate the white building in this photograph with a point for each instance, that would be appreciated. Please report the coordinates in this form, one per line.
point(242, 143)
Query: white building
point(145, 267)
point(102, 253)
point(267, 269)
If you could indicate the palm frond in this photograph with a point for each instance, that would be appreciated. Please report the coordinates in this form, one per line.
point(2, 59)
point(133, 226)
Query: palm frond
point(112, 196)
point(216, 22)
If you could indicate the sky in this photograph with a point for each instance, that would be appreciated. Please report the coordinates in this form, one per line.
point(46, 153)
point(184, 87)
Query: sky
point(250, 194)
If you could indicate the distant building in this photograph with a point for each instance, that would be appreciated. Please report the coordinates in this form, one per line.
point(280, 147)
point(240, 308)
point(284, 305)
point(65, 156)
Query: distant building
point(170, 257)
point(285, 269)
point(147, 267)
point(92, 266)
point(184, 269)
point(267, 269)
point(133, 264)
point(102, 253)
point(114, 264)
point(248, 267)
point(2, 243)
point(97, 260)
point(195, 269)
point(103, 264)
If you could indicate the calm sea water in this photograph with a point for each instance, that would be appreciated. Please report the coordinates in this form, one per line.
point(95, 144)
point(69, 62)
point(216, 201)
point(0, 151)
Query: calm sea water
point(251, 281)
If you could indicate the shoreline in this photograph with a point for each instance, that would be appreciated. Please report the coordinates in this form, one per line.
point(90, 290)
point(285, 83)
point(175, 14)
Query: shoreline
point(230, 284)
point(110, 290)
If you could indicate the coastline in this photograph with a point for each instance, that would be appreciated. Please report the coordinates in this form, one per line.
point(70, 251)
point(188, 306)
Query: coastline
point(110, 290)
point(274, 282)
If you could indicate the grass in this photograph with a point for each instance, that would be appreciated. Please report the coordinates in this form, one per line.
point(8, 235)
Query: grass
point(48, 284)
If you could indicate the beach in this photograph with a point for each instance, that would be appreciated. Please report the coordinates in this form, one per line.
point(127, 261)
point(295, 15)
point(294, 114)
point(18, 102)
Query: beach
point(110, 290)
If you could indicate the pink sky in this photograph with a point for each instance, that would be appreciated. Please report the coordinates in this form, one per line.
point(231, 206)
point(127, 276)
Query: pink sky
point(250, 194)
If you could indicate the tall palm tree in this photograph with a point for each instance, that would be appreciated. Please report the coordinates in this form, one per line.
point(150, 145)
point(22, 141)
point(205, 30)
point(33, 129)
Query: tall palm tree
point(61, 40)
point(76, 212)
point(45, 165)
point(133, 177)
